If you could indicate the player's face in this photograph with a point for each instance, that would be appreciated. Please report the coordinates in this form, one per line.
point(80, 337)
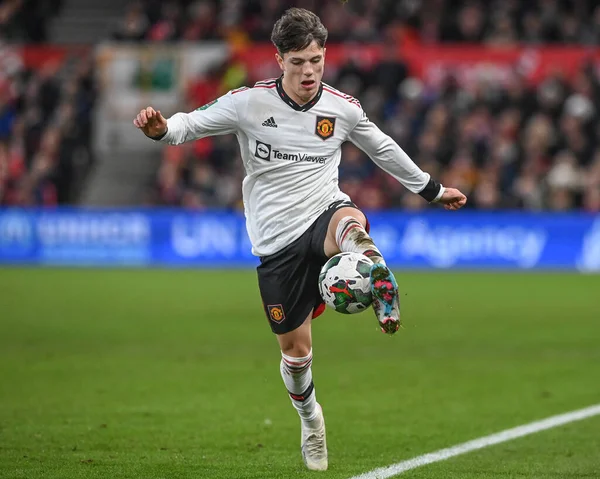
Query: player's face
point(302, 72)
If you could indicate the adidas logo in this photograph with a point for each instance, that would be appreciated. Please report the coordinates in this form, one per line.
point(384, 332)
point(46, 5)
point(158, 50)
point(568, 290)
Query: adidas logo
point(270, 122)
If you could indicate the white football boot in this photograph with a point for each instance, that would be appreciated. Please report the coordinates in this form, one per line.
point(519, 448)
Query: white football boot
point(314, 444)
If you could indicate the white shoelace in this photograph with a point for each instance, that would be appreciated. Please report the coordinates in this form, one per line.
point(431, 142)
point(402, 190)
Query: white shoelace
point(314, 443)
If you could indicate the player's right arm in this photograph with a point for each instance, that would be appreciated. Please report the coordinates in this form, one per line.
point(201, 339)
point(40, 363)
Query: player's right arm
point(216, 118)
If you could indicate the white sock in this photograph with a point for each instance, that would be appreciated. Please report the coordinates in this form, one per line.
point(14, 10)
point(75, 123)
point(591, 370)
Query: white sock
point(297, 376)
point(351, 236)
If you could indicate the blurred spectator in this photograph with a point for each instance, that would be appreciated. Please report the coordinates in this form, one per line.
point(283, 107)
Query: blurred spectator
point(467, 26)
point(27, 20)
point(134, 26)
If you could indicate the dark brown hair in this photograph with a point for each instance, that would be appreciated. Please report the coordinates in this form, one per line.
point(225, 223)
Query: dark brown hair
point(296, 30)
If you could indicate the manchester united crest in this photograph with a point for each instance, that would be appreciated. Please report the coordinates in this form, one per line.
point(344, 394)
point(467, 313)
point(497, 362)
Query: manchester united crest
point(276, 312)
point(325, 127)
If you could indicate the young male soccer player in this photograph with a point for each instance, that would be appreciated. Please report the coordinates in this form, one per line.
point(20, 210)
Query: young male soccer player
point(290, 131)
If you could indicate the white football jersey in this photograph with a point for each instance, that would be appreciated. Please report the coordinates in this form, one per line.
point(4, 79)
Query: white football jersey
point(291, 154)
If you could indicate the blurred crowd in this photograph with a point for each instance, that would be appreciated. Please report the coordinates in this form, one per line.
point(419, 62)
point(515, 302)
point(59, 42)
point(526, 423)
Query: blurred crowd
point(27, 20)
point(45, 130)
point(494, 22)
point(506, 145)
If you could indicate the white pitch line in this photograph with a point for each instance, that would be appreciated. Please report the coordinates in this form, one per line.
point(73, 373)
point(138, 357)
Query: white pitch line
point(497, 438)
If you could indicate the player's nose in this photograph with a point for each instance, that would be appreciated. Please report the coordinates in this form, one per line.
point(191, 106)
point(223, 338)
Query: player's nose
point(307, 69)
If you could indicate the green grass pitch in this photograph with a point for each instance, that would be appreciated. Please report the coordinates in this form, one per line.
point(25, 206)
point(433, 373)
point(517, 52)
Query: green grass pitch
point(160, 374)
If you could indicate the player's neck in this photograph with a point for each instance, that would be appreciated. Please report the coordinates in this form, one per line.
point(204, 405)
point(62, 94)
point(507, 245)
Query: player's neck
point(294, 96)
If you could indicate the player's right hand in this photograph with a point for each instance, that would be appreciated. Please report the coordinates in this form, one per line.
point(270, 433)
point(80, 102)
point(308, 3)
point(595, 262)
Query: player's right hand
point(151, 122)
point(453, 199)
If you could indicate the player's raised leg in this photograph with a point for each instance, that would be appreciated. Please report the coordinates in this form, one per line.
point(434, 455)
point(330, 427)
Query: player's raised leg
point(347, 232)
point(296, 371)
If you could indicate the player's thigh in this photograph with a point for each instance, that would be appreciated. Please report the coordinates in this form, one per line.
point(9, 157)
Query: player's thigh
point(297, 343)
point(331, 247)
point(287, 282)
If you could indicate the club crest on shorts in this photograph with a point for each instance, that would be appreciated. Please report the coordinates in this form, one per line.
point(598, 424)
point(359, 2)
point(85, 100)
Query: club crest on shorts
point(325, 127)
point(276, 312)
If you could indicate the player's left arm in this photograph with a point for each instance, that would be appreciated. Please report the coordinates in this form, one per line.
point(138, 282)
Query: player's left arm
point(388, 155)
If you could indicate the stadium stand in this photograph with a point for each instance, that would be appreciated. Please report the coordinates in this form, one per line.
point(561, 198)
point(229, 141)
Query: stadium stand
point(45, 130)
point(507, 146)
point(494, 22)
point(505, 141)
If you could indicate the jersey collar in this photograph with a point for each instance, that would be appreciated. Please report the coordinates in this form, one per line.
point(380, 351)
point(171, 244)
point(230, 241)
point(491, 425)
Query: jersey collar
point(284, 96)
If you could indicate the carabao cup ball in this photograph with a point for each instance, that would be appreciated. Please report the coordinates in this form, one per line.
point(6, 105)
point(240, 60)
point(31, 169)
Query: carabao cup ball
point(344, 283)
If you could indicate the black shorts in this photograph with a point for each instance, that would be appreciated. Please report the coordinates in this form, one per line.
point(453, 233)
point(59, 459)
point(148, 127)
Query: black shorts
point(288, 279)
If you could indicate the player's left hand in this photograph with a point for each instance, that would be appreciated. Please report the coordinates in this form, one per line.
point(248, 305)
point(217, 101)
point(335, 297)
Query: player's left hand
point(453, 199)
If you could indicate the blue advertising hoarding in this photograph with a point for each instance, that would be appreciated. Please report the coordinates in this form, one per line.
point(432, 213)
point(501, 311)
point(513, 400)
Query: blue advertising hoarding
point(179, 238)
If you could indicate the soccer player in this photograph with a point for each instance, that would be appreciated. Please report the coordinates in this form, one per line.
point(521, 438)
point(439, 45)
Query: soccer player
point(290, 131)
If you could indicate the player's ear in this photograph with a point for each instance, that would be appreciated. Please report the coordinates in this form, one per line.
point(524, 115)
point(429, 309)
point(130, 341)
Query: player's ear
point(279, 59)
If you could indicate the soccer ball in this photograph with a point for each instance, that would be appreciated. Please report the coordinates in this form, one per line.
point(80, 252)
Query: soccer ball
point(344, 283)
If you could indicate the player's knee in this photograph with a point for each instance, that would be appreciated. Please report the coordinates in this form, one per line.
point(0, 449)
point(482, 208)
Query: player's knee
point(360, 216)
point(337, 224)
point(296, 349)
point(295, 346)
point(297, 343)
point(345, 213)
